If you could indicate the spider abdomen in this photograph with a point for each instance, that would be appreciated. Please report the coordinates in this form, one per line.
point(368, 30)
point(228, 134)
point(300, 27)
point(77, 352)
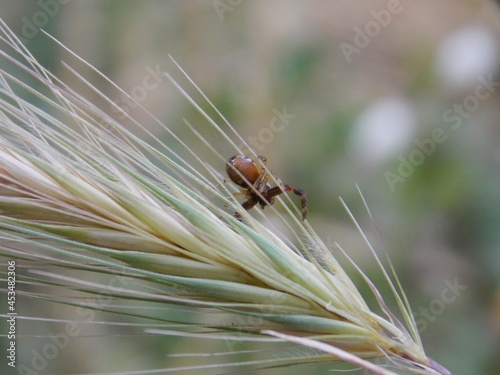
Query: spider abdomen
point(247, 170)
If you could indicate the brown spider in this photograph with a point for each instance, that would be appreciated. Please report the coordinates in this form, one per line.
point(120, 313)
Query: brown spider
point(244, 172)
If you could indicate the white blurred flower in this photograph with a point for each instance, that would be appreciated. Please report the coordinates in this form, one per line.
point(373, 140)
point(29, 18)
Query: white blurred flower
point(384, 129)
point(468, 53)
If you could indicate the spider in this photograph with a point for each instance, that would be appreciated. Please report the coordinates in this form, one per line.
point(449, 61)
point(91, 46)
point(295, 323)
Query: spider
point(244, 172)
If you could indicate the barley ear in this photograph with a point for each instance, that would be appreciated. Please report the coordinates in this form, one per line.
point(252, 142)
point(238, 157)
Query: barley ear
point(83, 198)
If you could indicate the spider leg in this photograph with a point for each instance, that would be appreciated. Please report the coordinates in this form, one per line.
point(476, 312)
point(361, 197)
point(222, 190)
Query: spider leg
point(263, 176)
point(248, 204)
point(277, 190)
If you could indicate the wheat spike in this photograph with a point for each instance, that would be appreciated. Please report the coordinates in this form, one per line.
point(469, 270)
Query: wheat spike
point(77, 189)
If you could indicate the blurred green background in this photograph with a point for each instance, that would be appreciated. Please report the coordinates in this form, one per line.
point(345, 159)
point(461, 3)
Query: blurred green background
point(399, 97)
